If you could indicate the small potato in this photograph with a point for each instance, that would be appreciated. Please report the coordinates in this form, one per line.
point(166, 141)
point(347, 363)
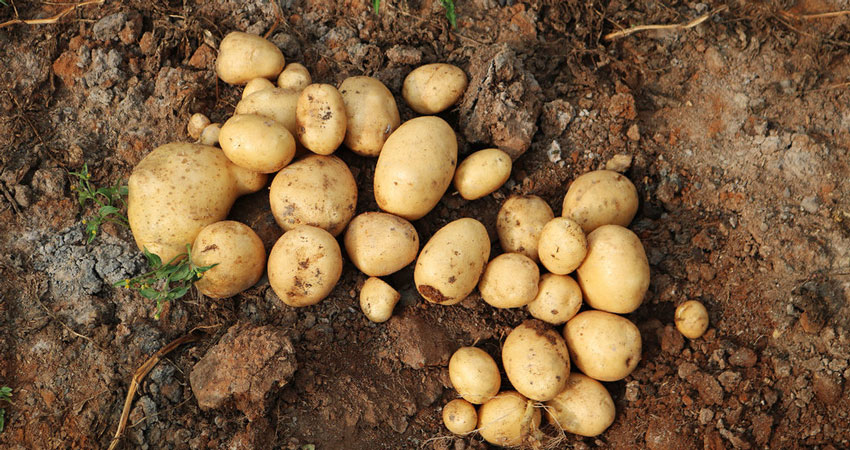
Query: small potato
point(614, 275)
point(257, 84)
point(558, 299)
point(197, 123)
point(278, 104)
point(474, 374)
point(294, 76)
point(601, 197)
point(433, 88)
point(377, 299)
point(316, 190)
point(604, 346)
point(509, 281)
point(210, 134)
point(482, 172)
point(257, 143)
point(508, 419)
point(536, 360)
point(320, 119)
point(380, 244)
point(304, 265)
point(372, 114)
point(519, 223)
point(460, 416)
point(584, 407)
point(243, 57)
point(451, 263)
point(562, 245)
point(239, 256)
point(692, 319)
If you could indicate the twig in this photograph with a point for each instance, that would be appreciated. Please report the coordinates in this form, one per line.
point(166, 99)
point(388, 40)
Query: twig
point(677, 26)
point(49, 20)
point(816, 16)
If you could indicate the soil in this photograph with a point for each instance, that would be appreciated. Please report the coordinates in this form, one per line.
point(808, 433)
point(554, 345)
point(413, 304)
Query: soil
point(736, 133)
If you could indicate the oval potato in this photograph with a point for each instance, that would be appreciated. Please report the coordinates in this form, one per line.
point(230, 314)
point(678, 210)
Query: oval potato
point(508, 419)
point(692, 319)
point(209, 135)
point(536, 360)
point(614, 275)
point(450, 264)
point(320, 118)
point(558, 299)
point(460, 416)
point(257, 143)
point(474, 374)
point(372, 114)
point(584, 407)
point(601, 197)
point(482, 173)
point(238, 254)
point(604, 346)
point(380, 244)
point(304, 266)
point(278, 104)
point(257, 84)
point(294, 76)
point(510, 280)
point(196, 125)
point(519, 223)
point(243, 57)
point(377, 299)
point(562, 245)
point(433, 88)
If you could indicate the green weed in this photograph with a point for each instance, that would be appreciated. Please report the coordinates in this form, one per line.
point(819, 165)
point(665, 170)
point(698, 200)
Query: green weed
point(376, 4)
point(109, 200)
point(450, 12)
point(5, 396)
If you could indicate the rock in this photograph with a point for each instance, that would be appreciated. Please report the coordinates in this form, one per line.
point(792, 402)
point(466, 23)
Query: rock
point(633, 133)
point(709, 389)
point(108, 27)
point(705, 416)
point(622, 106)
point(23, 195)
point(619, 163)
point(743, 357)
point(671, 340)
point(403, 54)
point(729, 380)
point(557, 114)
point(827, 388)
point(762, 428)
point(419, 343)
point(147, 45)
point(50, 182)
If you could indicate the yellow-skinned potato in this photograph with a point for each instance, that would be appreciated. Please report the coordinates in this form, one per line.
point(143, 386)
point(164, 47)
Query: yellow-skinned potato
point(433, 88)
point(178, 189)
point(243, 57)
point(239, 256)
point(614, 275)
point(377, 299)
point(320, 118)
point(304, 266)
point(562, 245)
point(474, 374)
point(509, 281)
point(380, 244)
point(536, 360)
point(209, 136)
point(508, 419)
point(691, 319)
point(450, 264)
point(257, 143)
point(372, 114)
point(601, 197)
point(460, 416)
point(558, 299)
point(276, 103)
point(604, 346)
point(482, 172)
point(415, 167)
point(196, 124)
point(519, 223)
point(315, 190)
point(294, 76)
point(257, 84)
point(584, 407)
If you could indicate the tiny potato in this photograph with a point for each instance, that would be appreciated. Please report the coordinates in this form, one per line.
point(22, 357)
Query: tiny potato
point(508, 419)
point(320, 119)
point(451, 262)
point(196, 124)
point(239, 256)
point(536, 360)
point(243, 57)
point(380, 244)
point(510, 280)
point(601, 197)
point(372, 114)
point(562, 245)
point(604, 346)
point(276, 103)
point(257, 84)
point(584, 407)
point(433, 88)
point(257, 143)
point(460, 416)
point(614, 275)
point(482, 172)
point(294, 76)
point(558, 299)
point(210, 134)
point(474, 374)
point(377, 299)
point(519, 223)
point(691, 319)
point(304, 265)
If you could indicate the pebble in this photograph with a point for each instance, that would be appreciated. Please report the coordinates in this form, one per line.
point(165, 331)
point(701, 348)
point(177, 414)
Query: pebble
point(108, 27)
point(729, 380)
point(705, 416)
point(743, 357)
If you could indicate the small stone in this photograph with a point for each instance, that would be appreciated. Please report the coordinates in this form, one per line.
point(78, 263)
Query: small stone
point(809, 325)
point(827, 388)
point(762, 428)
point(709, 389)
point(203, 58)
point(729, 380)
point(403, 54)
point(810, 204)
point(743, 357)
point(671, 340)
point(622, 106)
point(108, 27)
point(687, 370)
point(556, 115)
point(633, 133)
point(23, 195)
point(632, 391)
point(147, 45)
point(619, 163)
point(705, 416)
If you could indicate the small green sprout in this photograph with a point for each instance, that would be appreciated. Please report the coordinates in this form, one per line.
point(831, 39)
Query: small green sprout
point(5, 396)
point(109, 200)
point(450, 12)
point(376, 4)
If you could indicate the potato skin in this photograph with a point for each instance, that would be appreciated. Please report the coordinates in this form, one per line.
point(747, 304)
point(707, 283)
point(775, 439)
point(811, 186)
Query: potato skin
point(474, 374)
point(380, 244)
point(243, 57)
point(320, 118)
point(255, 85)
point(433, 88)
point(562, 245)
point(691, 319)
point(451, 262)
point(510, 280)
point(482, 173)
point(377, 299)
point(276, 103)
point(519, 223)
point(460, 416)
point(257, 143)
point(601, 197)
point(536, 360)
point(614, 275)
point(372, 114)
point(584, 407)
point(507, 419)
point(415, 167)
point(238, 253)
point(558, 299)
point(294, 76)
point(604, 346)
point(304, 266)
point(209, 135)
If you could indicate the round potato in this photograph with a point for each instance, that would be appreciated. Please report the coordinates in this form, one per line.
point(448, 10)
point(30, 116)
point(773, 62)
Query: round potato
point(372, 114)
point(460, 416)
point(257, 84)
point(304, 265)
point(278, 104)
point(257, 143)
point(415, 167)
point(377, 300)
point(558, 299)
point(509, 281)
point(614, 275)
point(519, 223)
point(238, 254)
point(482, 172)
point(209, 136)
point(433, 88)
point(508, 419)
point(474, 374)
point(584, 407)
point(604, 346)
point(243, 57)
point(294, 76)
point(562, 245)
point(450, 264)
point(691, 319)
point(320, 118)
point(196, 124)
point(601, 197)
point(380, 244)
point(536, 360)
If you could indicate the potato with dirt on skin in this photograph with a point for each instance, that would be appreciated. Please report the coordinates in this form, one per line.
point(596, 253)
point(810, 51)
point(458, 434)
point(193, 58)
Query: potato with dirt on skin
point(558, 299)
point(460, 416)
point(604, 346)
point(377, 299)
point(691, 319)
point(239, 256)
point(562, 245)
point(584, 407)
point(372, 114)
point(257, 84)
point(209, 136)
point(294, 76)
point(380, 244)
point(508, 419)
point(243, 57)
point(320, 119)
point(433, 88)
point(601, 197)
point(276, 103)
point(257, 143)
point(614, 275)
point(196, 125)
point(510, 280)
point(451, 262)
point(519, 223)
point(482, 173)
point(304, 265)
point(536, 360)
point(474, 374)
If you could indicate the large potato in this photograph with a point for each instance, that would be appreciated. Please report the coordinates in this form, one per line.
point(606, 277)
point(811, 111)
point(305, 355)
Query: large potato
point(451, 263)
point(615, 273)
point(601, 197)
point(519, 223)
point(320, 118)
point(474, 375)
point(316, 190)
point(243, 57)
point(433, 88)
point(276, 103)
point(604, 346)
point(380, 244)
point(536, 360)
point(558, 299)
point(294, 76)
point(304, 266)
point(562, 245)
point(416, 167)
point(584, 407)
point(509, 281)
point(239, 256)
point(482, 172)
point(256, 143)
point(508, 419)
point(372, 114)
point(178, 189)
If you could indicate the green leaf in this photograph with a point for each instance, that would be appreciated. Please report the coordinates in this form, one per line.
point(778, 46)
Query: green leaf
point(153, 260)
point(5, 393)
point(183, 272)
point(178, 293)
point(149, 293)
point(450, 12)
point(107, 210)
point(308, 447)
point(123, 190)
point(2, 419)
point(376, 4)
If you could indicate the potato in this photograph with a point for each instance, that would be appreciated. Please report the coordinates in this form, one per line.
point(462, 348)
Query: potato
point(601, 197)
point(536, 360)
point(562, 245)
point(614, 275)
point(377, 300)
point(460, 416)
point(380, 244)
point(372, 114)
point(257, 84)
point(691, 319)
point(474, 374)
point(482, 172)
point(316, 190)
point(178, 189)
point(519, 223)
point(197, 123)
point(209, 136)
point(320, 119)
point(584, 407)
point(450, 264)
point(558, 299)
point(509, 281)
point(415, 167)
point(278, 104)
point(508, 419)
point(257, 143)
point(243, 57)
point(304, 265)
point(433, 88)
point(294, 76)
point(238, 253)
point(604, 346)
